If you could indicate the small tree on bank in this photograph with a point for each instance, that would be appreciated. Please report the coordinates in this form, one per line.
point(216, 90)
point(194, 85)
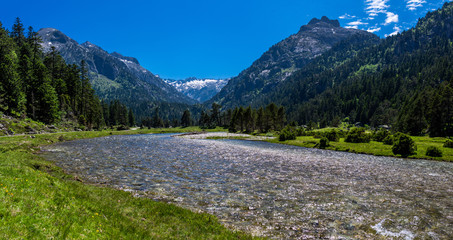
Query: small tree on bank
point(403, 145)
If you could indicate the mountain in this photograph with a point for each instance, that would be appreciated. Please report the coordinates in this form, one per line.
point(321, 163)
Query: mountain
point(283, 59)
point(112, 75)
point(198, 89)
point(405, 80)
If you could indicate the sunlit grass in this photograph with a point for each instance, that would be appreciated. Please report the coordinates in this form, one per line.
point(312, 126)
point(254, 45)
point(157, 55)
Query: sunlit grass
point(377, 148)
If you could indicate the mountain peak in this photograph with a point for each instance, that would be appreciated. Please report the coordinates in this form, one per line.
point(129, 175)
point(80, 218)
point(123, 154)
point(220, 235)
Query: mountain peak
point(53, 35)
point(324, 19)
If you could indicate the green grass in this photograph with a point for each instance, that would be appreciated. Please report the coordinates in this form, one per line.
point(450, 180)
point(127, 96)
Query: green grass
point(39, 201)
point(377, 148)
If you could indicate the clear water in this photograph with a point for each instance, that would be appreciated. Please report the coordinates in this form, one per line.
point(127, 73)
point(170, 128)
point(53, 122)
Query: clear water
point(274, 190)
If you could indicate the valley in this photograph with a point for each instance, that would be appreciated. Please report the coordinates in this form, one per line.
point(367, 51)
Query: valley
point(297, 126)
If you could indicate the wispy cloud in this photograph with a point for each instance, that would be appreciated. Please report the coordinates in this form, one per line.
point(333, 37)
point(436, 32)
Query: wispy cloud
point(414, 4)
point(346, 16)
point(391, 18)
point(356, 24)
point(374, 29)
point(374, 7)
point(396, 31)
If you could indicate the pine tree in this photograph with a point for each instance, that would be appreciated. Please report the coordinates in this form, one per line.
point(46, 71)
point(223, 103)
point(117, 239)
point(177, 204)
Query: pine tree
point(260, 120)
point(186, 119)
point(234, 120)
point(281, 118)
point(131, 118)
point(215, 114)
point(46, 100)
point(248, 120)
point(84, 86)
point(17, 32)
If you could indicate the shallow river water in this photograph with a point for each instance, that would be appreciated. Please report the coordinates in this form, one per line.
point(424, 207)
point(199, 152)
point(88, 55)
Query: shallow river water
point(273, 190)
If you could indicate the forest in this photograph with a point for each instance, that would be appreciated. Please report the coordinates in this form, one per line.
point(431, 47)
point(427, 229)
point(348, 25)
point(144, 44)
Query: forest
point(42, 87)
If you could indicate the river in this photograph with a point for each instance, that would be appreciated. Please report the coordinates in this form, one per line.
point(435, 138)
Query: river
point(274, 190)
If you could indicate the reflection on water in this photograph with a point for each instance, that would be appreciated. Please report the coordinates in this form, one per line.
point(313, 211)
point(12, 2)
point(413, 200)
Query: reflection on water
point(275, 190)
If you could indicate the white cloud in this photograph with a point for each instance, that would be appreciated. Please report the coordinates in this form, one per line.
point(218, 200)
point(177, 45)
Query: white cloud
point(354, 27)
point(374, 29)
point(357, 23)
point(346, 16)
point(414, 4)
point(391, 18)
point(374, 7)
point(397, 30)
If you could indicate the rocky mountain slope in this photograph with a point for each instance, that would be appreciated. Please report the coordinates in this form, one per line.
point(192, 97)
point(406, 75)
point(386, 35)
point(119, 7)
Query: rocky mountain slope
point(112, 75)
point(198, 89)
point(283, 59)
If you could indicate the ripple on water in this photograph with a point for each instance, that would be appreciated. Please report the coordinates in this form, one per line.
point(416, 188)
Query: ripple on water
point(274, 190)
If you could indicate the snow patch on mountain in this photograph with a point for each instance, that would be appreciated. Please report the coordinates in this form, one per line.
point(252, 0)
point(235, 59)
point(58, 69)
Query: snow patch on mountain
point(198, 89)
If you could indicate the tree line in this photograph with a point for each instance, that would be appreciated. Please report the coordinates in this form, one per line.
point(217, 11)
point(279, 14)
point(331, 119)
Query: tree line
point(242, 119)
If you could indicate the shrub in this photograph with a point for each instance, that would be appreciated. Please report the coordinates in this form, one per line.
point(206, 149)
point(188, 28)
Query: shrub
point(403, 145)
point(288, 133)
point(448, 143)
point(433, 152)
point(357, 135)
point(122, 128)
point(332, 135)
point(380, 135)
point(300, 132)
point(388, 140)
point(317, 134)
point(323, 142)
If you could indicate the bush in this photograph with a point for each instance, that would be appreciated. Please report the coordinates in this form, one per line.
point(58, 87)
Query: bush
point(433, 152)
point(388, 140)
point(332, 135)
point(288, 133)
point(448, 143)
point(323, 142)
point(122, 128)
point(300, 132)
point(357, 135)
point(403, 145)
point(380, 135)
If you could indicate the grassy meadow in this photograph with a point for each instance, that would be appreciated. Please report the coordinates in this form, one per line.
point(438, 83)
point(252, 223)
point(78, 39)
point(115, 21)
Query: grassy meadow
point(376, 148)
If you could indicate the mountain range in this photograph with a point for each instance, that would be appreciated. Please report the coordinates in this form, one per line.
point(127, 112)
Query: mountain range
point(323, 74)
point(198, 89)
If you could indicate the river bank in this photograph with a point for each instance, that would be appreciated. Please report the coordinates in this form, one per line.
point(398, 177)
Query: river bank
point(38, 200)
point(372, 148)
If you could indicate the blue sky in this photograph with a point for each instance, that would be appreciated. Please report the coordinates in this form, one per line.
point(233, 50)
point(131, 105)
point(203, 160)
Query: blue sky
point(205, 38)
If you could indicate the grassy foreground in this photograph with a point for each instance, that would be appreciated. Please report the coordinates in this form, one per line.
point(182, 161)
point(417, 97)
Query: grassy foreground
point(376, 148)
point(39, 201)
